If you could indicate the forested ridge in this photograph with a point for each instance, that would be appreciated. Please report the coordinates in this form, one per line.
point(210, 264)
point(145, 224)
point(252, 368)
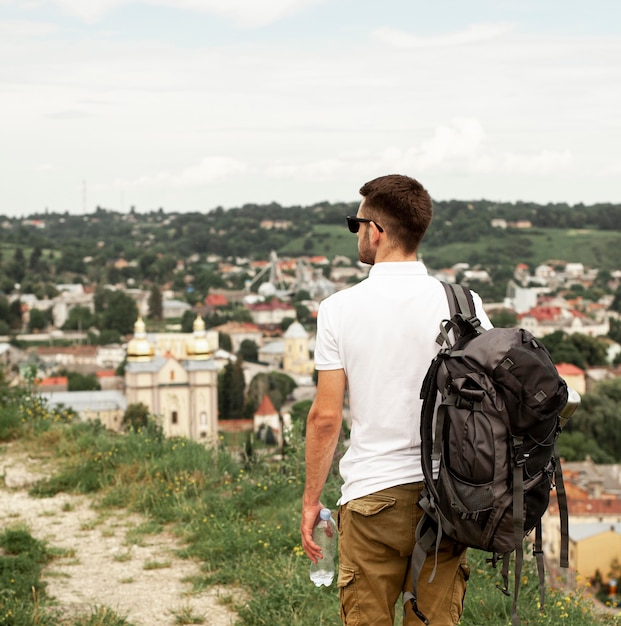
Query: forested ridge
point(237, 231)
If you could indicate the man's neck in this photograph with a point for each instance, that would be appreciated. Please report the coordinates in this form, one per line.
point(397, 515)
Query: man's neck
point(394, 256)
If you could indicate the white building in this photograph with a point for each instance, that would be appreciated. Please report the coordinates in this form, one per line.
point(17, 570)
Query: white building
point(181, 392)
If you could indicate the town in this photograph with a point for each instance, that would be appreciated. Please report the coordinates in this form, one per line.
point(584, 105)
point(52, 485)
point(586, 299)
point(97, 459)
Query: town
point(172, 361)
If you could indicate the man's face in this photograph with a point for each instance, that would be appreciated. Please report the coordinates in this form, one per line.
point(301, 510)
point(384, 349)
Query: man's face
point(366, 253)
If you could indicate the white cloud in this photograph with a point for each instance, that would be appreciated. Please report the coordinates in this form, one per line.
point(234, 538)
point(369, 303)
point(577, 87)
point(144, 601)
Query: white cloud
point(25, 29)
point(210, 170)
point(244, 13)
point(323, 169)
point(541, 163)
point(89, 11)
point(461, 145)
point(463, 140)
point(475, 33)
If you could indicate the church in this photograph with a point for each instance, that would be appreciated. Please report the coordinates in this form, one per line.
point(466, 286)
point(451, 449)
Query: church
point(179, 386)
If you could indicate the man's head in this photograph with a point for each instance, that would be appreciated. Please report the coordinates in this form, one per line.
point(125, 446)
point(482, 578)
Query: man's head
point(401, 206)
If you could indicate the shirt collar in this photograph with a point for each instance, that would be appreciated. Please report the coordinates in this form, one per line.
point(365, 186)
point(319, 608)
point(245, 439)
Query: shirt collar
point(398, 268)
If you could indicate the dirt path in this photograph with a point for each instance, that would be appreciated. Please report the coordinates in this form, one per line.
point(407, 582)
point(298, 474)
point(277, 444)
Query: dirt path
point(142, 580)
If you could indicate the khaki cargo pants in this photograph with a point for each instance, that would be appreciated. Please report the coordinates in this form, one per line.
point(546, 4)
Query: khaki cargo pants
point(376, 538)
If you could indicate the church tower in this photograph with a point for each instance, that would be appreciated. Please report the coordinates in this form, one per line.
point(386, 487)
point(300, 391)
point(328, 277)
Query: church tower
point(180, 390)
point(139, 348)
point(296, 359)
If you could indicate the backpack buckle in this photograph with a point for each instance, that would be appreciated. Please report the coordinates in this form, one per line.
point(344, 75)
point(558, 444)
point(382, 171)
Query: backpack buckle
point(462, 403)
point(474, 321)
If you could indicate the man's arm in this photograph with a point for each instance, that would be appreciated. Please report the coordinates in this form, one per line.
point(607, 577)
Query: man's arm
point(323, 427)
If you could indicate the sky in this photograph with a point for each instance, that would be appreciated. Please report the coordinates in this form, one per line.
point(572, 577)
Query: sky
point(188, 105)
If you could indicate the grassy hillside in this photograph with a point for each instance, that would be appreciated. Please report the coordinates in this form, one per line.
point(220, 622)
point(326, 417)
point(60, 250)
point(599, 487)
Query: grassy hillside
point(239, 519)
point(593, 248)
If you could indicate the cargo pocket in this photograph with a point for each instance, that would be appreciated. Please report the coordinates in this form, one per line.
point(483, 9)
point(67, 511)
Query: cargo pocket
point(350, 609)
point(376, 518)
point(371, 505)
point(459, 591)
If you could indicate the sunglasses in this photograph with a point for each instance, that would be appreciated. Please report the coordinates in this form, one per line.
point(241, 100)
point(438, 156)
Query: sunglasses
point(353, 223)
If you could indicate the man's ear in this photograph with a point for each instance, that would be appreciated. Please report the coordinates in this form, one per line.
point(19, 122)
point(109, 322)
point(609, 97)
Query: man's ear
point(375, 234)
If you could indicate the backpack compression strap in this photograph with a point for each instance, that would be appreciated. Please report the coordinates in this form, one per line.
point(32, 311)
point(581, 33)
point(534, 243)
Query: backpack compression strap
point(561, 498)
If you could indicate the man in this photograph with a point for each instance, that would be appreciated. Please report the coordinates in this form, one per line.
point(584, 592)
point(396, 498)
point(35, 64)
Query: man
point(377, 340)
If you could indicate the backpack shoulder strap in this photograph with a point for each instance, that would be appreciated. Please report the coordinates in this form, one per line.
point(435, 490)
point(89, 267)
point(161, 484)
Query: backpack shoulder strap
point(460, 299)
point(462, 310)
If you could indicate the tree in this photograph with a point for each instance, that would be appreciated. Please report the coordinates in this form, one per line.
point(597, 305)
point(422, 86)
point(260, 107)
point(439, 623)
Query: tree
point(224, 342)
point(79, 318)
point(121, 313)
point(579, 349)
point(38, 319)
point(15, 315)
point(155, 304)
point(136, 416)
point(100, 298)
point(16, 269)
point(592, 348)
point(597, 421)
point(276, 385)
point(504, 319)
point(616, 301)
point(614, 331)
point(231, 386)
point(81, 382)
point(249, 350)
point(575, 446)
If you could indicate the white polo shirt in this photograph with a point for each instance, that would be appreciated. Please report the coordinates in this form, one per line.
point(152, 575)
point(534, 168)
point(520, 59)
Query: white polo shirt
point(382, 333)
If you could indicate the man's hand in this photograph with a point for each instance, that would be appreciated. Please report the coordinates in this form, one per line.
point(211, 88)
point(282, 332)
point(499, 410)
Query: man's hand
point(310, 516)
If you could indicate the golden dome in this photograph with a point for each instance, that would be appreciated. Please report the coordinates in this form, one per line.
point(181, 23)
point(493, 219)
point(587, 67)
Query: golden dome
point(198, 346)
point(139, 348)
point(199, 324)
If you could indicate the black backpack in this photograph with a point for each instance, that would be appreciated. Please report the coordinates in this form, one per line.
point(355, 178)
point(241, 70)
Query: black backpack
point(493, 435)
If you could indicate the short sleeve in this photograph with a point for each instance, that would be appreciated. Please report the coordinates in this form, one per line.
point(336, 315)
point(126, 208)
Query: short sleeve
point(327, 355)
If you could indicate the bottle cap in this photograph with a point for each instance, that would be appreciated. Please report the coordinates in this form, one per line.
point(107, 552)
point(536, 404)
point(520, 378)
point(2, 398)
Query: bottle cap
point(573, 400)
point(325, 514)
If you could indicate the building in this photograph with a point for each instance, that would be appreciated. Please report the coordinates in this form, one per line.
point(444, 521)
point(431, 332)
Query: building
point(267, 423)
point(110, 356)
point(174, 309)
point(269, 315)
point(240, 332)
point(272, 352)
point(546, 319)
point(574, 376)
point(52, 384)
point(79, 358)
point(180, 390)
point(594, 522)
point(106, 406)
point(296, 359)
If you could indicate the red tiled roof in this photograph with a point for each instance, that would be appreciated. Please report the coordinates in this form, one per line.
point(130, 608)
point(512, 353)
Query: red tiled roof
point(543, 313)
point(216, 299)
point(105, 373)
point(589, 506)
point(272, 305)
point(266, 407)
point(569, 369)
point(52, 381)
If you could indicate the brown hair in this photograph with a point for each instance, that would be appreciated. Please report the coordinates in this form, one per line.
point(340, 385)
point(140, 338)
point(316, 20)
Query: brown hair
point(401, 205)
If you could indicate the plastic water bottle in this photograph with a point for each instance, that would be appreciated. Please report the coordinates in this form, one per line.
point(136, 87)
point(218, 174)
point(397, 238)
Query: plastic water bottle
point(324, 535)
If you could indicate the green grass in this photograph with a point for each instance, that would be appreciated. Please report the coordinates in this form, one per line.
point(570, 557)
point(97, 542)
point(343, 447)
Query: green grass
point(240, 523)
point(593, 248)
point(328, 240)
